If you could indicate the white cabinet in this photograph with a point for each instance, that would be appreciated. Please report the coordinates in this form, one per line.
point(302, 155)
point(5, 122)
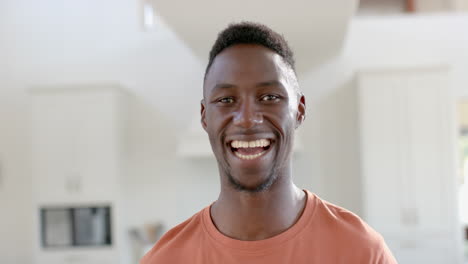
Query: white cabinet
point(77, 144)
point(407, 152)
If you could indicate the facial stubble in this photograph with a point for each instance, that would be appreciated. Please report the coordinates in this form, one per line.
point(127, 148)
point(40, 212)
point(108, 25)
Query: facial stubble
point(263, 186)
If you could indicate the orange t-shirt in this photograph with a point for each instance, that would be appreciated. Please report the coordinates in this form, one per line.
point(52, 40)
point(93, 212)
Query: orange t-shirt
point(325, 233)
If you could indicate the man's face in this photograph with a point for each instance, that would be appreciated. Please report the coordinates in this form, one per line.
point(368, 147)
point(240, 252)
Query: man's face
point(250, 111)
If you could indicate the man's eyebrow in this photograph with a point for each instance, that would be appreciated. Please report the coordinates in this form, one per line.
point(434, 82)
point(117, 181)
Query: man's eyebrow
point(220, 86)
point(270, 83)
point(223, 86)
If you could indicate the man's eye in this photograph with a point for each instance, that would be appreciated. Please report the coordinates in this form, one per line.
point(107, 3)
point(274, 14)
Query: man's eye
point(269, 97)
point(226, 100)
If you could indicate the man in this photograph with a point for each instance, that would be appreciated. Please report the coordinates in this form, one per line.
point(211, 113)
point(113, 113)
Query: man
point(250, 109)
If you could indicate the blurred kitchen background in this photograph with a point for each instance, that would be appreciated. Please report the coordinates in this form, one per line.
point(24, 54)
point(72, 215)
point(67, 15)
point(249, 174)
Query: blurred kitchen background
point(101, 150)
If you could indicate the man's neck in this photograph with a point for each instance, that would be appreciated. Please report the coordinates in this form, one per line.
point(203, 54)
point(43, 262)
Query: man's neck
point(256, 216)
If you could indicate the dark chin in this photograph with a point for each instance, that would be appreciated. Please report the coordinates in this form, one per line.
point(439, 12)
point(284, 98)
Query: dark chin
point(263, 186)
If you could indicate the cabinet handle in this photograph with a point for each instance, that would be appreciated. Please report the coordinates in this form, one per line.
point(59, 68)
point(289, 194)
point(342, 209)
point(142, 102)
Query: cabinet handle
point(409, 216)
point(69, 184)
point(73, 184)
point(409, 244)
point(1, 176)
point(77, 184)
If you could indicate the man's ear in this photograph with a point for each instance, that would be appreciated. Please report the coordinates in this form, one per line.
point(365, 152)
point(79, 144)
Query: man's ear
point(202, 113)
point(301, 111)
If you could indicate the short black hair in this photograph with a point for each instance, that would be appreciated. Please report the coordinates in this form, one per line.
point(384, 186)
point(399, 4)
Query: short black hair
point(251, 33)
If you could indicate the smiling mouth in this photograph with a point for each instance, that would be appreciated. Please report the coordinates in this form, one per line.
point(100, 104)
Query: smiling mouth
point(249, 150)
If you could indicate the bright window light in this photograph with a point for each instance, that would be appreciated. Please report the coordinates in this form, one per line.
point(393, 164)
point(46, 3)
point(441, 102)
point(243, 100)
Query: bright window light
point(148, 16)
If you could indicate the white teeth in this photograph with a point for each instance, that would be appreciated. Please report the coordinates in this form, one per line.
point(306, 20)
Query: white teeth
point(250, 144)
point(249, 157)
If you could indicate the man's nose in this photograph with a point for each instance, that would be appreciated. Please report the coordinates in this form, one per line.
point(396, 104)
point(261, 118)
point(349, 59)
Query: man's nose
point(247, 116)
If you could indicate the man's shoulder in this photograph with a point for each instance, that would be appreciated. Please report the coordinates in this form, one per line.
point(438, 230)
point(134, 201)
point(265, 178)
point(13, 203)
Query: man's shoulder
point(178, 238)
point(346, 231)
point(346, 222)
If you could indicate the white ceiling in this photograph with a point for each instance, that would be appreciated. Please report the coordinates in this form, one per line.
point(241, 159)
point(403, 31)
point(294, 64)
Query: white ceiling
point(315, 29)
